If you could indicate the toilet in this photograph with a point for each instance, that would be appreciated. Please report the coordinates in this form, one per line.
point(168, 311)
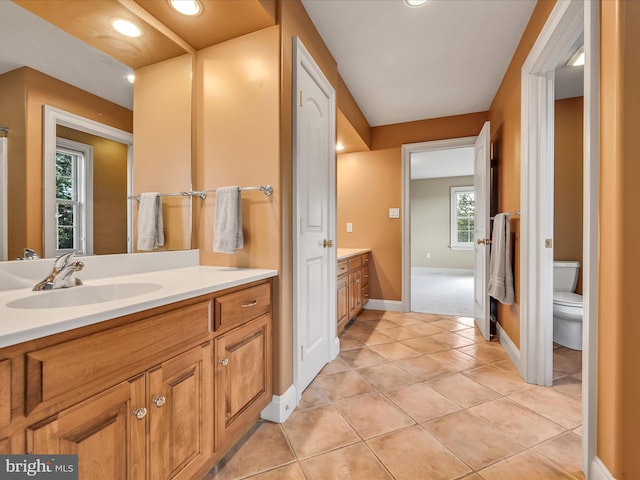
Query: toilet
point(567, 305)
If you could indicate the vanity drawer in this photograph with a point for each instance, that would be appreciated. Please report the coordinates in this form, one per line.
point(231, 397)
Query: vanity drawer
point(365, 276)
point(343, 267)
point(365, 260)
point(239, 307)
point(71, 371)
point(355, 263)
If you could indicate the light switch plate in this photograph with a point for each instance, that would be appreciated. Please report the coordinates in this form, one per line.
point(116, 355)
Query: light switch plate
point(394, 213)
point(349, 227)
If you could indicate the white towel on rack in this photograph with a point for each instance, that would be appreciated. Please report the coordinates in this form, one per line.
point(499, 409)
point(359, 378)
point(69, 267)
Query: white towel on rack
point(150, 227)
point(500, 273)
point(227, 221)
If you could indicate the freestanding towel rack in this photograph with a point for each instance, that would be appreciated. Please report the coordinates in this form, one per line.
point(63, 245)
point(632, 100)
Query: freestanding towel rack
point(266, 189)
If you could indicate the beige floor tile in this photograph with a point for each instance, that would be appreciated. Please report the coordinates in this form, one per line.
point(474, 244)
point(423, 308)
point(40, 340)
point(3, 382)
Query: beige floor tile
point(564, 451)
point(452, 340)
point(569, 386)
point(473, 476)
point(449, 325)
point(318, 430)
point(462, 390)
point(423, 329)
point(471, 333)
point(425, 345)
point(468, 321)
point(355, 462)
point(488, 352)
point(370, 315)
point(313, 396)
point(456, 361)
point(404, 319)
point(403, 333)
point(343, 385)
point(507, 366)
point(372, 338)
point(359, 327)
point(395, 351)
point(361, 357)
point(360, 411)
point(521, 424)
point(382, 324)
point(412, 454)
point(386, 375)
point(421, 402)
point(555, 406)
point(578, 431)
point(473, 440)
point(497, 379)
point(265, 448)
point(524, 466)
point(337, 365)
point(423, 367)
point(347, 342)
point(288, 472)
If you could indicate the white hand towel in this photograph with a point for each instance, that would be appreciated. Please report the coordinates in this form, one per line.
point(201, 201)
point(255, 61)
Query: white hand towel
point(227, 222)
point(150, 227)
point(500, 273)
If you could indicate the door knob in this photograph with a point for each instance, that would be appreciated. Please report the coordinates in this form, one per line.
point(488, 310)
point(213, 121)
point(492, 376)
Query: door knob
point(327, 243)
point(484, 241)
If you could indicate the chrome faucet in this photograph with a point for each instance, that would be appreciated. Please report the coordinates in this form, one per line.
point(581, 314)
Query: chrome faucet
point(29, 254)
point(63, 274)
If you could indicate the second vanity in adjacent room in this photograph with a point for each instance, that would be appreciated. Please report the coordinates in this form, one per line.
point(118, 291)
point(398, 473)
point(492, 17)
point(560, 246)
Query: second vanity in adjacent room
point(352, 284)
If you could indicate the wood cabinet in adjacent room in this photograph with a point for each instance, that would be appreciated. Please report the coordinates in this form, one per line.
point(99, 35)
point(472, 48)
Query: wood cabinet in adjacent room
point(352, 287)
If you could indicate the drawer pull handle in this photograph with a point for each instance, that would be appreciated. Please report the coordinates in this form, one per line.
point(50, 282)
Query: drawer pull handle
point(224, 362)
point(159, 401)
point(249, 305)
point(140, 413)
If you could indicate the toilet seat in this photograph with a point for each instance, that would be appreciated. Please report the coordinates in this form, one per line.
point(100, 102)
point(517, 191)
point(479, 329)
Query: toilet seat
point(567, 299)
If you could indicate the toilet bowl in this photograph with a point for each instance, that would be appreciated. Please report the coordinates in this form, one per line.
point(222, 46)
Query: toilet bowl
point(567, 305)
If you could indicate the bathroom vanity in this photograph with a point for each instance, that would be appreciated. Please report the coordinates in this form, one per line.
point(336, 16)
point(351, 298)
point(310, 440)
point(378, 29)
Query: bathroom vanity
point(352, 284)
point(152, 386)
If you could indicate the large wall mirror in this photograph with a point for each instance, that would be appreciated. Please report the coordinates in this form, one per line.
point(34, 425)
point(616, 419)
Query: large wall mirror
point(83, 87)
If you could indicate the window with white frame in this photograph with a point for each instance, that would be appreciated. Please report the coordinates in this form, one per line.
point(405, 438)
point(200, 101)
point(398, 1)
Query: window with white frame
point(73, 197)
point(462, 217)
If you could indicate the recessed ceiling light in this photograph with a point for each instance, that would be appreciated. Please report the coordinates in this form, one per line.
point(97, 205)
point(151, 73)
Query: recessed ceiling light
point(130, 78)
point(339, 147)
point(417, 3)
point(577, 59)
point(125, 27)
point(186, 7)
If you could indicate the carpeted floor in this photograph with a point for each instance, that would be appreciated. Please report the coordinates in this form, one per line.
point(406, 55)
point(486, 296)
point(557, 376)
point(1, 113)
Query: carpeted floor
point(442, 291)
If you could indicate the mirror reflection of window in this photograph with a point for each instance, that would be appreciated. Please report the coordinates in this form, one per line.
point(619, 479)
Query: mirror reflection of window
point(74, 197)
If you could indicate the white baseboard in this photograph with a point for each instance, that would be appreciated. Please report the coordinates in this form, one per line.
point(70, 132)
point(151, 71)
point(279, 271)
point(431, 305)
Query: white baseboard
point(335, 349)
point(598, 471)
point(281, 406)
point(509, 347)
point(385, 305)
point(444, 270)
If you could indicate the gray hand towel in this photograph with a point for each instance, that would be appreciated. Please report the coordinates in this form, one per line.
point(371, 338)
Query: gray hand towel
point(227, 222)
point(150, 227)
point(500, 273)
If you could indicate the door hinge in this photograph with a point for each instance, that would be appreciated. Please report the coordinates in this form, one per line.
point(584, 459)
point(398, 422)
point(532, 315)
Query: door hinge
point(300, 97)
point(302, 353)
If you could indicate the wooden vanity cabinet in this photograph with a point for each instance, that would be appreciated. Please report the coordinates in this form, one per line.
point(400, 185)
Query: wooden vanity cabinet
point(154, 395)
point(352, 288)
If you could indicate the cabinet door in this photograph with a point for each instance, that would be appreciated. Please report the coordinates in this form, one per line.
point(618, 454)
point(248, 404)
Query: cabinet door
point(103, 431)
point(243, 378)
point(342, 302)
point(180, 414)
point(355, 293)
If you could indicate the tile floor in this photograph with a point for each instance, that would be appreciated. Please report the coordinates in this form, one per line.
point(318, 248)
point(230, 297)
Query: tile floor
point(420, 397)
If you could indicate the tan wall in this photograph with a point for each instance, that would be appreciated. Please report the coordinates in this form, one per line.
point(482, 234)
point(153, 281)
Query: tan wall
point(568, 181)
point(431, 224)
point(25, 184)
point(109, 190)
point(348, 107)
point(369, 183)
point(504, 116)
point(162, 143)
point(618, 427)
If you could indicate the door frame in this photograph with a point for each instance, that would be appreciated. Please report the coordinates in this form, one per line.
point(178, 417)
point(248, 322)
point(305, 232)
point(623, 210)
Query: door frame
point(300, 53)
point(407, 150)
point(567, 21)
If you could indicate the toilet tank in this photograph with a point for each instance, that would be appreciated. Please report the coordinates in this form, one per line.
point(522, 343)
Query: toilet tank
point(565, 275)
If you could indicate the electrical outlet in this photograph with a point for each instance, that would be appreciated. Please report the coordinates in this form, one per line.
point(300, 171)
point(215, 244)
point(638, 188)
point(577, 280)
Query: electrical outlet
point(394, 213)
point(349, 227)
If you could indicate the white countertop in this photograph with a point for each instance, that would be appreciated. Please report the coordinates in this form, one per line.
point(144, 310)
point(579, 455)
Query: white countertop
point(343, 253)
point(21, 324)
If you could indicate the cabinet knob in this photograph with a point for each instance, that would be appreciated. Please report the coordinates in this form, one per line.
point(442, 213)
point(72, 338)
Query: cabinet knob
point(140, 413)
point(159, 401)
point(224, 362)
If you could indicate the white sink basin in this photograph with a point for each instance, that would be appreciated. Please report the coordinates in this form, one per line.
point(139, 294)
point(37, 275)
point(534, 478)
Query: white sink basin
point(83, 295)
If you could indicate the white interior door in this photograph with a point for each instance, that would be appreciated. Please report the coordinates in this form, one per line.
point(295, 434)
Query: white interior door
point(481, 231)
point(315, 258)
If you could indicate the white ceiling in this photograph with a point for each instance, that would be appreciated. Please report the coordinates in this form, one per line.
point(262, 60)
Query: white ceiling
point(404, 63)
point(27, 40)
point(453, 162)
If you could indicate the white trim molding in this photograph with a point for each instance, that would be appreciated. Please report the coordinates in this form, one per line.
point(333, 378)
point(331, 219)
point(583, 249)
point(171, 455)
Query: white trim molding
point(385, 305)
point(509, 347)
point(598, 471)
point(281, 406)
